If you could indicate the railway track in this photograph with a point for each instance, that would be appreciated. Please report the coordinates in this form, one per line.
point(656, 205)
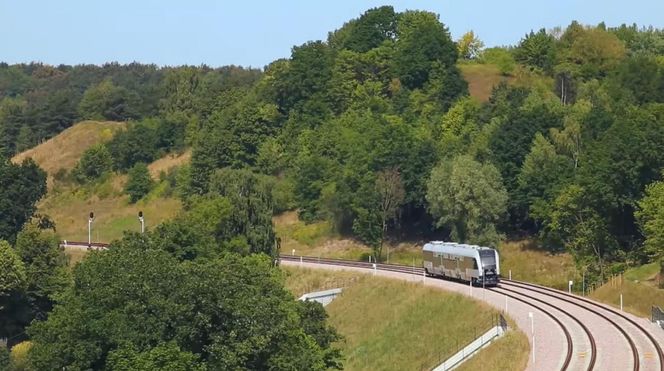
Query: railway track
point(600, 310)
point(570, 346)
point(510, 288)
point(584, 304)
point(568, 336)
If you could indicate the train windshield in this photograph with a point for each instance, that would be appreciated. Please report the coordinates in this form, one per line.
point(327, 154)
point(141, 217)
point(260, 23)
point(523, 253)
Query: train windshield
point(488, 257)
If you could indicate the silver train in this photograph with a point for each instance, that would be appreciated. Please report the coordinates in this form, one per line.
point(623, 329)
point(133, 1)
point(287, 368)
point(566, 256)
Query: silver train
point(477, 264)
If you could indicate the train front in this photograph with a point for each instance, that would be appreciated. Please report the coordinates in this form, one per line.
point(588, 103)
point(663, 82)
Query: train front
point(489, 261)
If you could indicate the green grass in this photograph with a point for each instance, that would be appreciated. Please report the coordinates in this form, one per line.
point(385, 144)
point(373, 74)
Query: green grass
point(501, 354)
point(395, 325)
point(639, 288)
point(69, 208)
point(638, 298)
point(644, 273)
point(315, 239)
point(300, 281)
point(530, 263)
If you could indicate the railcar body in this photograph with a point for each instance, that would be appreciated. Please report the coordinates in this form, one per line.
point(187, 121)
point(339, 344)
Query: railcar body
point(477, 264)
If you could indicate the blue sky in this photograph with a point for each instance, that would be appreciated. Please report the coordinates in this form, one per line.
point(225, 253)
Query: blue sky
point(253, 33)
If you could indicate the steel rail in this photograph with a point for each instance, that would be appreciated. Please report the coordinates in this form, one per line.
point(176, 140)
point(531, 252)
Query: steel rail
point(632, 344)
point(654, 341)
point(593, 345)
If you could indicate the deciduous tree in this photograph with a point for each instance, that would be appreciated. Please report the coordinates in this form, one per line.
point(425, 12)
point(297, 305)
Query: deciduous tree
point(468, 199)
point(650, 215)
point(469, 46)
point(139, 182)
point(94, 162)
point(392, 195)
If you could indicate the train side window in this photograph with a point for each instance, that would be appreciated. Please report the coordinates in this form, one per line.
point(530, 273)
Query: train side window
point(474, 263)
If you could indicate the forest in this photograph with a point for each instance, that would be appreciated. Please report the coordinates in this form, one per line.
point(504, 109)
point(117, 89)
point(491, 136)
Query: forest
point(373, 129)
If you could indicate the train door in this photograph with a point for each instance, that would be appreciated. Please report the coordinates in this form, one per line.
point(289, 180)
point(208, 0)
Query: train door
point(441, 267)
point(458, 269)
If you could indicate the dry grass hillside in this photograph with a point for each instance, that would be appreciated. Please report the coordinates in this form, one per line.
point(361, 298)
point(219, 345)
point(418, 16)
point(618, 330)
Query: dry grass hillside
point(69, 204)
point(168, 162)
point(64, 150)
point(482, 78)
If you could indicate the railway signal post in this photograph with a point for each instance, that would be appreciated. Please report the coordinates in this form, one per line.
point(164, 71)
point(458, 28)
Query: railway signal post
point(90, 219)
point(142, 221)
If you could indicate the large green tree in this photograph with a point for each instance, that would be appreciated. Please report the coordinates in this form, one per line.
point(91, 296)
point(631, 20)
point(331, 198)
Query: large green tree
point(374, 27)
point(467, 199)
point(422, 41)
point(128, 305)
point(538, 50)
point(650, 215)
point(21, 186)
point(94, 162)
point(34, 273)
point(139, 182)
point(12, 272)
point(106, 101)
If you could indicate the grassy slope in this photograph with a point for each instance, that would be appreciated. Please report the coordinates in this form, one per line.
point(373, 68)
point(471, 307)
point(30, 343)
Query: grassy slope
point(394, 325)
point(168, 162)
point(528, 263)
point(69, 205)
point(482, 78)
point(638, 287)
point(64, 150)
point(494, 356)
point(69, 208)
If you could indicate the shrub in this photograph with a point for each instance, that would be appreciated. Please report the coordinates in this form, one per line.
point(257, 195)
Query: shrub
point(500, 57)
point(95, 162)
point(283, 195)
point(4, 357)
point(19, 356)
point(139, 183)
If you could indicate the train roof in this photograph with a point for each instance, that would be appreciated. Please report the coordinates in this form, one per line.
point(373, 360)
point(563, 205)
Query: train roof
point(454, 248)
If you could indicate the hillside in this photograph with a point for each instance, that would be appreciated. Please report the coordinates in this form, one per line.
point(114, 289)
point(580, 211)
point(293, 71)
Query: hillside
point(64, 150)
point(69, 209)
point(639, 288)
point(482, 78)
point(168, 162)
point(69, 204)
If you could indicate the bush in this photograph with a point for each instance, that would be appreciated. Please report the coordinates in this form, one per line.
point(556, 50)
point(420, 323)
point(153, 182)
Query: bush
point(146, 141)
point(19, 356)
point(661, 274)
point(136, 144)
point(95, 162)
point(500, 57)
point(4, 358)
point(139, 183)
point(283, 195)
